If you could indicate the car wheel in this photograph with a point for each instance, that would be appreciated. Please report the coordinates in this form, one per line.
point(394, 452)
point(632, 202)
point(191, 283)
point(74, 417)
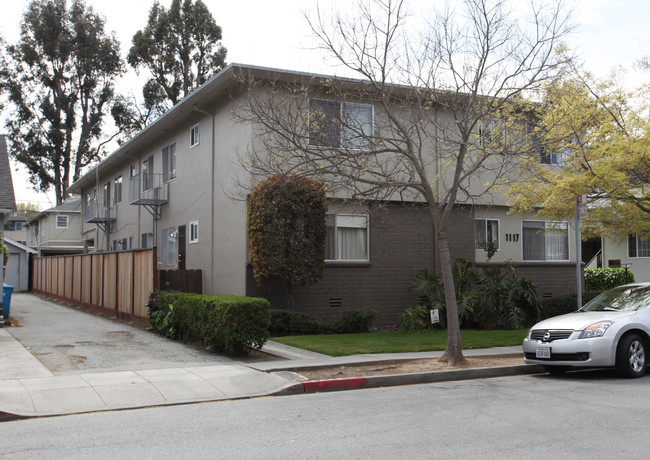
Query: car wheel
point(630, 356)
point(556, 370)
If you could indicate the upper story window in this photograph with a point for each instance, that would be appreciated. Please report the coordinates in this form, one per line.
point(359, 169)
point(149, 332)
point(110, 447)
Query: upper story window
point(347, 237)
point(545, 241)
point(61, 221)
point(557, 158)
point(336, 124)
point(107, 195)
point(194, 136)
point(147, 174)
point(169, 162)
point(133, 171)
point(492, 133)
point(638, 247)
point(486, 230)
point(16, 226)
point(117, 189)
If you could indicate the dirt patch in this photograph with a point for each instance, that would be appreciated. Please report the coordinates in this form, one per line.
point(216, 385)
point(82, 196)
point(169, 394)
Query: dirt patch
point(411, 366)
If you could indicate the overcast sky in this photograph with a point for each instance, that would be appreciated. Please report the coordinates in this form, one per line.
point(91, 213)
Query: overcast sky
point(274, 33)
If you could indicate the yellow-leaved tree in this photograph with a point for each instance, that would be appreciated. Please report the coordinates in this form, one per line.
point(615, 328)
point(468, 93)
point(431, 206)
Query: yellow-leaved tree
point(593, 138)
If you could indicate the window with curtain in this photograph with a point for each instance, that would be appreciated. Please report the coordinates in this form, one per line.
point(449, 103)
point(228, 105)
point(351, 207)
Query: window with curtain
point(169, 162)
point(545, 240)
point(486, 230)
point(347, 237)
point(336, 124)
point(638, 247)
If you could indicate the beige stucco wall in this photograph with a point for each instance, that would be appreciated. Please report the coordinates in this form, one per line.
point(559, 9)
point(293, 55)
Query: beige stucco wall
point(615, 250)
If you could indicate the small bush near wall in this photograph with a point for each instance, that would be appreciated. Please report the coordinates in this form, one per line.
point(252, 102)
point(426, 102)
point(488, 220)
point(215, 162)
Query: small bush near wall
point(286, 322)
point(565, 303)
point(601, 279)
point(221, 322)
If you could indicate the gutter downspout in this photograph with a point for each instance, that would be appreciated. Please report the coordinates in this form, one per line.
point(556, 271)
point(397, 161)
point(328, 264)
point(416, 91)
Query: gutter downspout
point(212, 185)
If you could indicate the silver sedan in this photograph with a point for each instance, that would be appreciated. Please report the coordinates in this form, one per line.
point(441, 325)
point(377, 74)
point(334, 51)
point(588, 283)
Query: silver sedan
point(613, 330)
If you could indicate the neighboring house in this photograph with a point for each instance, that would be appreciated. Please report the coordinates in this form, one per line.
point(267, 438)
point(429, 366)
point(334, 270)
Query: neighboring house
point(57, 231)
point(7, 199)
point(18, 267)
point(16, 228)
point(632, 253)
point(172, 186)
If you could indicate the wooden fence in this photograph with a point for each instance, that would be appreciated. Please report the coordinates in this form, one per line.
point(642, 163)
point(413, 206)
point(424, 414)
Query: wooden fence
point(114, 282)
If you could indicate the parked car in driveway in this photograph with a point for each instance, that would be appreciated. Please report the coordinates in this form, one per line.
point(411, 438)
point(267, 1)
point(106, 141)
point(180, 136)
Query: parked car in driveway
point(613, 330)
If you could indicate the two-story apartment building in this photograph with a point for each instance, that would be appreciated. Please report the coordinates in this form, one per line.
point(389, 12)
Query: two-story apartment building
point(57, 230)
point(176, 185)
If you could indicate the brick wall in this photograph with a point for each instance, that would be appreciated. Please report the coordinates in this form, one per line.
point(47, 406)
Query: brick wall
point(401, 243)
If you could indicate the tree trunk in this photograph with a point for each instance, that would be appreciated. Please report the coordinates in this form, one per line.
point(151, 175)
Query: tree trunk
point(454, 352)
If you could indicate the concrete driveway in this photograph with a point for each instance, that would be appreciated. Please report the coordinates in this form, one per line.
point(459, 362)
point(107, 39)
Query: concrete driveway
point(68, 341)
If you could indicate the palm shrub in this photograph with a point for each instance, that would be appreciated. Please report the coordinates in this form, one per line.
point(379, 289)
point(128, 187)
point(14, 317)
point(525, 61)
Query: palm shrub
point(492, 296)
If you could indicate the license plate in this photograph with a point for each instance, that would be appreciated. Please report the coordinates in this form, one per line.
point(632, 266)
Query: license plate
point(543, 352)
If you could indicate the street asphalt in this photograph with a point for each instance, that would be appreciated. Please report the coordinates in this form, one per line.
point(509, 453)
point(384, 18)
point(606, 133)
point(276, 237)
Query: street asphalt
point(58, 360)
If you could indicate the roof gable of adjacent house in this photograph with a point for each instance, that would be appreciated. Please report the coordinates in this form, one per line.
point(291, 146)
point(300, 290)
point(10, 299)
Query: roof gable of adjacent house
point(7, 199)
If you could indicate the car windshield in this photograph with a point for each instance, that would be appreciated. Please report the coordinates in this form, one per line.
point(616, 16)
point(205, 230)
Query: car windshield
point(624, 298)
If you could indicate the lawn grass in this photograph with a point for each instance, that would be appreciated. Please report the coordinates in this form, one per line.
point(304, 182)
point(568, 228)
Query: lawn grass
point(400, 342)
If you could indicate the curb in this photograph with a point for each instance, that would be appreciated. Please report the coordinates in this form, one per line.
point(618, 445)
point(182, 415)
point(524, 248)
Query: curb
point(378, 381)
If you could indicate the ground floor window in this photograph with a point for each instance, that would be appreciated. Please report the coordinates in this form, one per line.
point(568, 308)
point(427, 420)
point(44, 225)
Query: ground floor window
point(545, 240)
point(486, 230)
point(347, 237)
point(638, 246)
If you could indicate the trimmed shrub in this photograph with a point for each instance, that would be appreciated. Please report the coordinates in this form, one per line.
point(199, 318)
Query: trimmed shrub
point(221, 322)
point(357, 320)
point(601, 279)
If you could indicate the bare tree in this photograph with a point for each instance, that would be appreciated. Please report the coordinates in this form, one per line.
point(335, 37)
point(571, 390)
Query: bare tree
point(426, 120)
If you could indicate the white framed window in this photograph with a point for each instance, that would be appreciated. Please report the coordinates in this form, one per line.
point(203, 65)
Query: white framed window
point(486, 230)
point(545, 241)
point(492, 133)
point(169, 162)
point(147, 174)
point(168, 254)
point(194, 232)
point(147, 241)
point(638, 246)
point(107, 195)
point(133, 171)
point(194, 136)
point(347, 237)
point(556, 158)
point(336, 124)
point(61, 221)
point(117, 189)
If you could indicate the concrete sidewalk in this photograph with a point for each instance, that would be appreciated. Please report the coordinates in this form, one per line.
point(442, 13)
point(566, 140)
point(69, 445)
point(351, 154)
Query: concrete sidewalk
point(28, 388)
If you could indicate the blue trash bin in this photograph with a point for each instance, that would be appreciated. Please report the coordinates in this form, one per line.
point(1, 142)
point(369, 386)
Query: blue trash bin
point(7, 289)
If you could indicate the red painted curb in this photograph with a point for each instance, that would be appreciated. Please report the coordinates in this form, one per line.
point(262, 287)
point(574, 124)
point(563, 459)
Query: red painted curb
point(334, 384)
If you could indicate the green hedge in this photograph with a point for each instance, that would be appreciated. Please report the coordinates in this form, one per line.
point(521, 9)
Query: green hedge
point(287, 322)
point(601, 279)
point(221, 322)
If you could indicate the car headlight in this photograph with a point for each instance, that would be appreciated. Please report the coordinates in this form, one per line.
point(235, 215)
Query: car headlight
point(596, 329)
